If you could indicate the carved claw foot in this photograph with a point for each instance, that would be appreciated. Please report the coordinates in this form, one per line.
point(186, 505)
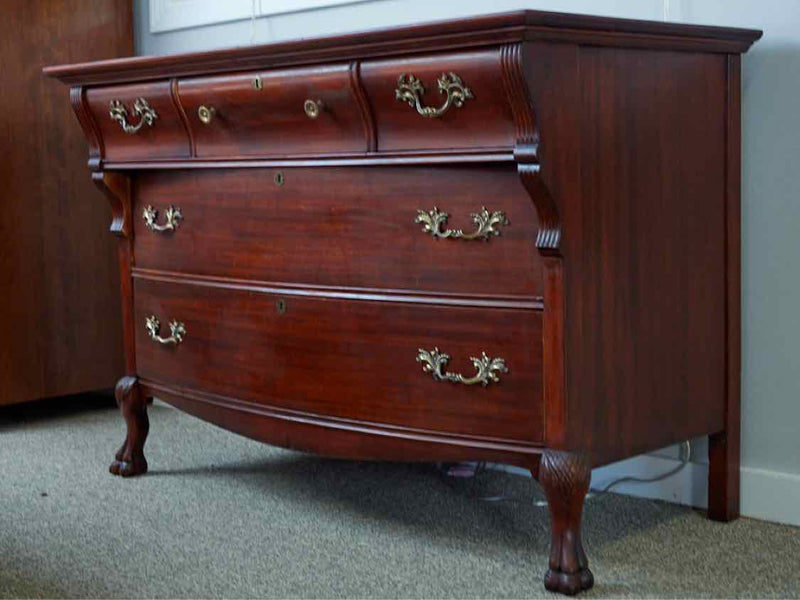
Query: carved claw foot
point(565, 478)
point(129, 459)
point(127, 463)
point(568, 583)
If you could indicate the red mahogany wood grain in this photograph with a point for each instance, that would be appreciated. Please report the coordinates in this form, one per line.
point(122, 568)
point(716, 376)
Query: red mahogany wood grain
point(342, 438)
point(484, 120)
point(644, 241)
point(317, 351)
point(724, 447)
point(271, 119)
point(351, 227)
point(166, 138)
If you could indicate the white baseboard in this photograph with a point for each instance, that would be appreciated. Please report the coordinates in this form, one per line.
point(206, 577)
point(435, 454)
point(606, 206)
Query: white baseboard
point(771, 495)
point(767, 495)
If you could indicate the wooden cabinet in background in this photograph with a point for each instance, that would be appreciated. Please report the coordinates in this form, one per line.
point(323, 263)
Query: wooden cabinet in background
point(59, 277)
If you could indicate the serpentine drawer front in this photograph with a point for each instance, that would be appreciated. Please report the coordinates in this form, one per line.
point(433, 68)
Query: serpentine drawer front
point(138, 122)
point(303, 353)
point(344, 227)
point(513, 238)
point(439, 101)
point(298, 111)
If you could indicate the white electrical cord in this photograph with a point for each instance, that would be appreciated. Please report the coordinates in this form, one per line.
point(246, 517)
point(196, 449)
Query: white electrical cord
point(685, 458)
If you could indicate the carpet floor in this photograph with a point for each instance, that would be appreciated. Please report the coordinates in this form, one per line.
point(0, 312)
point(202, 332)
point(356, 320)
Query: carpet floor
point(220, 516)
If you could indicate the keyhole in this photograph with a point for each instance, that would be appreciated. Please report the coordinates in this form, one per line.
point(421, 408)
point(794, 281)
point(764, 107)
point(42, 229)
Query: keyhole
point(279, 178)
point(281, 306)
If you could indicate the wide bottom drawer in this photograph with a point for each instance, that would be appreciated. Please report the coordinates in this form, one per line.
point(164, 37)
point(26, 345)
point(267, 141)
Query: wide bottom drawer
point(350, 359)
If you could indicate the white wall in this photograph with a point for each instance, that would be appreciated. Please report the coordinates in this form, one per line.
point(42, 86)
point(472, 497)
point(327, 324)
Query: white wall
point(770, 204)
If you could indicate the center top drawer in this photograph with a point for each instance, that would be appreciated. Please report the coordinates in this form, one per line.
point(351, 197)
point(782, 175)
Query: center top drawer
point(273, 113)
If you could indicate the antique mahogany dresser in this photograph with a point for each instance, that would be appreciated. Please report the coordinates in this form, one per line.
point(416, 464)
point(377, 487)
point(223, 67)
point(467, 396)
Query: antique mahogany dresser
point(512, 238)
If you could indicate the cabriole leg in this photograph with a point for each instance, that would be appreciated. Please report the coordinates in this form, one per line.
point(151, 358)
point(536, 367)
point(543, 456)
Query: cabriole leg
point(129, 460)
point(565, 478)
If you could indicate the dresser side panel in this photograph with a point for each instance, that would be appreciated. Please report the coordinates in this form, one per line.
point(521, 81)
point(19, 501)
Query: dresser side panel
point(644, 249)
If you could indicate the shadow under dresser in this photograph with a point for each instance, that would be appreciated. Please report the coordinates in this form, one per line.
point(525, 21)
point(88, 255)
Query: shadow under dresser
point(511, 238)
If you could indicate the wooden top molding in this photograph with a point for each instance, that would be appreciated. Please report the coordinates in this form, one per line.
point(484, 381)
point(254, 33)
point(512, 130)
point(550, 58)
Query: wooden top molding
point(450, 35)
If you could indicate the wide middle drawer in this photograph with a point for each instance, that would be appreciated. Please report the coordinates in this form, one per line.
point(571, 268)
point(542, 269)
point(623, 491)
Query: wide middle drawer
point(370, 227)
point(348, 359)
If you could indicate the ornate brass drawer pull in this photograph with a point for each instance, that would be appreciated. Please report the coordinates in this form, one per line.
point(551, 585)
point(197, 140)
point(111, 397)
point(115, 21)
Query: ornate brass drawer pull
point(172, 218)
point(141, 108)
point(177, 331)
point(410, 89)
point(487, 368)
point(434, 220)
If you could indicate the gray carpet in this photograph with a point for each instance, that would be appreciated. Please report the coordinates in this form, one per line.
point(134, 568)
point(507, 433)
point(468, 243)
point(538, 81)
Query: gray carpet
point(221, 516)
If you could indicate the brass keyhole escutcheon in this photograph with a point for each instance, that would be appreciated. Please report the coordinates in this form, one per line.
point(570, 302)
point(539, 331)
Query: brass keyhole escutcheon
point(279, 178)
point(281, 306)
point(257, 84)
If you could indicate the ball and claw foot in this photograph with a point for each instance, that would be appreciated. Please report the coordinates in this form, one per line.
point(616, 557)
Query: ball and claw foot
point(565, 478)
point(568, 583)
point(126, 464)
point(129, 459)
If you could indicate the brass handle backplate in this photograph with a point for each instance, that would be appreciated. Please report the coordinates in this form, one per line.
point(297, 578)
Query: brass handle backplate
point(172, 218)
point(177, 331)
point(312, 108)
point(410, 89)
point(205, 114)
point(433, 222)
point(487, 369)
point(141, 108)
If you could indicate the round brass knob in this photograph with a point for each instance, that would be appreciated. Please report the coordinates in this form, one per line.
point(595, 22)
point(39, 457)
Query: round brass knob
point(205, 113)
point(312, 108)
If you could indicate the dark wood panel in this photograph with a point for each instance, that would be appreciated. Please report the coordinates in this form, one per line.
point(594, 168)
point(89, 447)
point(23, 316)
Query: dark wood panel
point(343, 227)
point(484, 120)
point(166, 138)
point(347, 359)
point(271, 120)
point(59, 331)
point(645, 248)
point(724, 447)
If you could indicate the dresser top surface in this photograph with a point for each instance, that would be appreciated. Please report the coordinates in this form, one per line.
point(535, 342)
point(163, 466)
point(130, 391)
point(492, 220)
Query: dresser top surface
point(460, 34)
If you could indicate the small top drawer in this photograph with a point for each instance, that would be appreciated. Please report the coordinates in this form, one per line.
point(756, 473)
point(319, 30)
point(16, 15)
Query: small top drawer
point(138, 122)
point(442, 101)
point(297, 111)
